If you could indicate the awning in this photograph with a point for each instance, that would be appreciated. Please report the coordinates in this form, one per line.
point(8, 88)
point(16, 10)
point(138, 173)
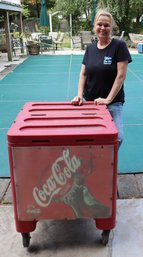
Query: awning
point(14, 5)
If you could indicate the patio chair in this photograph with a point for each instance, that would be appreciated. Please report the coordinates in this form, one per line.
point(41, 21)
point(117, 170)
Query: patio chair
point(135, 39)
point(76, 41)
point(120, 36)
point(46, 43)
point(86, 39)
point(35, 36)
point(16, 44)
point(54, 35)
point(59, 41)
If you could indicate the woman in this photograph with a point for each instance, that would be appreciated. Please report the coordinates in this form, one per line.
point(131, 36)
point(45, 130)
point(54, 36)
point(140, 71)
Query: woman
point(104, 70)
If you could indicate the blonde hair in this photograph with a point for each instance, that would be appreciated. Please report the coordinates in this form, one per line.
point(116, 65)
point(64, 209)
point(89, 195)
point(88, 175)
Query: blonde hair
point(103, 13)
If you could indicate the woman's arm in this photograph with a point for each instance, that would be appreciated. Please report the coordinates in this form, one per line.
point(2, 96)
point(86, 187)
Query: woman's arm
point(77, 100)
point(121, 75)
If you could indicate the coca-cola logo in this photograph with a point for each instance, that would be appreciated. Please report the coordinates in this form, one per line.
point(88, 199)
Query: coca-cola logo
point(62, 171)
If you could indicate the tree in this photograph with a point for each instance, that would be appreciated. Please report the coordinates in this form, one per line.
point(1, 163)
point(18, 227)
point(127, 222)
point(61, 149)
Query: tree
point(124, 11)
point(81, 11)
point(35, 5)
point(120, 12)
point(138, 11)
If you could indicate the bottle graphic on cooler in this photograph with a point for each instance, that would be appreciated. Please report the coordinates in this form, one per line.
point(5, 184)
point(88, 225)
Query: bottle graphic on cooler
point(82, 202)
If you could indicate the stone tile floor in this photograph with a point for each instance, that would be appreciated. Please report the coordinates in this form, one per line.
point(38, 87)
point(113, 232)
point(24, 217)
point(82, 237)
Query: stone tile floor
point(80, 237)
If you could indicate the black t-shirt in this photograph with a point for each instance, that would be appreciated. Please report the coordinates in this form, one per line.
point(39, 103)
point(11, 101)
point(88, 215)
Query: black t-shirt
point(101, 69)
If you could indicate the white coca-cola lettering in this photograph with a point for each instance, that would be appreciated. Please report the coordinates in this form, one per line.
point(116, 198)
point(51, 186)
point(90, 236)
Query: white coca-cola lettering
point(60, 176)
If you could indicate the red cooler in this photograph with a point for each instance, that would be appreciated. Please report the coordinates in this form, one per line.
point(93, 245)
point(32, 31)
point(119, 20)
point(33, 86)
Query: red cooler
point(63, 162)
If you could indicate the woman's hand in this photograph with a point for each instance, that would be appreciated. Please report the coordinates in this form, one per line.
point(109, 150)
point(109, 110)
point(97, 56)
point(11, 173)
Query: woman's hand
point(100, 100)
point(77, 100)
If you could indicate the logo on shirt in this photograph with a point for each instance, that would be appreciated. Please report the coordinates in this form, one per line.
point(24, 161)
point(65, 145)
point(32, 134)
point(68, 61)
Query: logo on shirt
point(107, 60)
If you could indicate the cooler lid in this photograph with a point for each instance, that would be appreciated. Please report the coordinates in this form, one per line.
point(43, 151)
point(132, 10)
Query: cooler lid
point(42, 120)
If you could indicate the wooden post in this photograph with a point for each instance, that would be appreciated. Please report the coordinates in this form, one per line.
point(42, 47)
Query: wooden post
point(22, 33)
point(8, 37)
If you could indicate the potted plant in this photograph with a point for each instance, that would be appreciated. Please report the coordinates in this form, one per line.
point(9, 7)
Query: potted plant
point(33, 47)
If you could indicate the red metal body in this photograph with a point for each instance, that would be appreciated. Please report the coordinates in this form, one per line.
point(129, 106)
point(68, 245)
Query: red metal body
point(63, 162)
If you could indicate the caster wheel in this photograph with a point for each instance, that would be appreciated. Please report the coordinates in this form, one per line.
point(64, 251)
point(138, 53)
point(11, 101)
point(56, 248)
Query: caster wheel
point(26, 239)
point(105, 237)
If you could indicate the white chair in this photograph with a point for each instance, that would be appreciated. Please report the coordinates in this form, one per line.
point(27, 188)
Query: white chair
point(35, 36)
point(121, 36)
point(54, 35)
point(17, 44)
point(135, 39)
point(59, 41)
point(76, 41)
point(86, 39)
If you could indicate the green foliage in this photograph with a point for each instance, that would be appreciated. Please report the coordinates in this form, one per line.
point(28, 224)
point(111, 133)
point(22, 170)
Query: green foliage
point(49, 3)
point(35, 5)
point(123, 11)
point(137, 27)
point(68, 7)
point(78, 9)
point(25, 11)
point(44, 30)
point(1, 18)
